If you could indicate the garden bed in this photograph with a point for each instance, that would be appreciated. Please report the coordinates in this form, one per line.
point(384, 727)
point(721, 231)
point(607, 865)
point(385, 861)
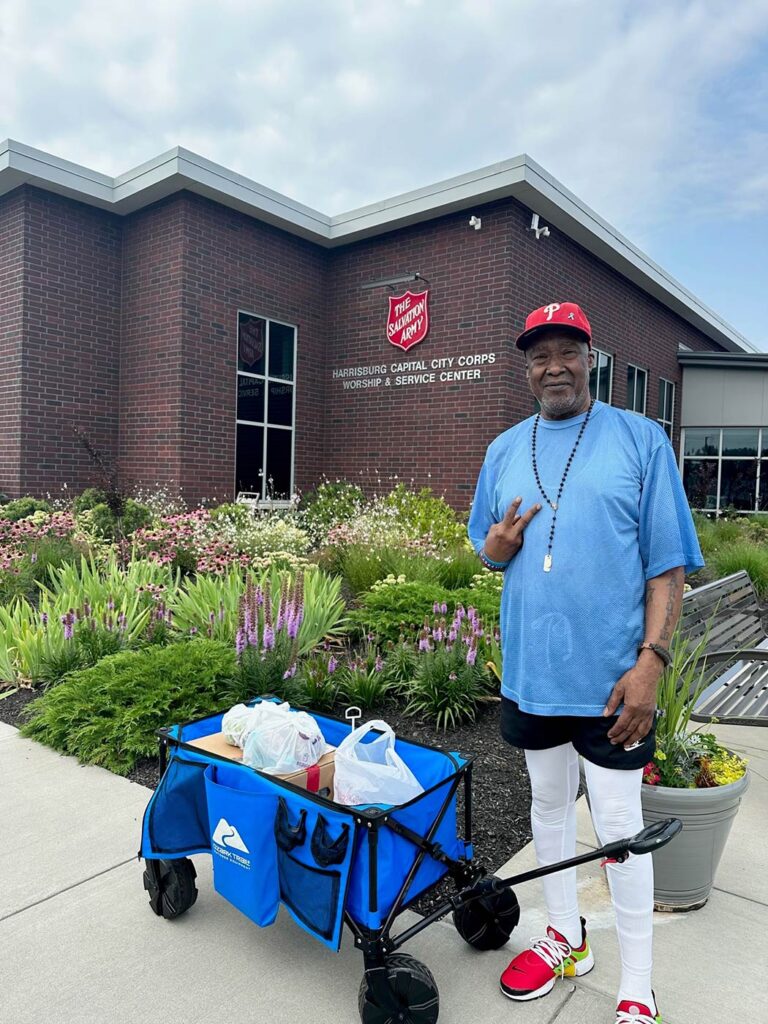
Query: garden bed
point(500, 789)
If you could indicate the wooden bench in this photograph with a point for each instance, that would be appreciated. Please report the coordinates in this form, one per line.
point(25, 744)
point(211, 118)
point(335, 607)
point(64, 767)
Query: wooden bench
point(736, 672)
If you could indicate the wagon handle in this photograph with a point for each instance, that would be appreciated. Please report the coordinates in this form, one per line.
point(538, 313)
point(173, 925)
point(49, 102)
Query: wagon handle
point(353, 716)
point(651, 838)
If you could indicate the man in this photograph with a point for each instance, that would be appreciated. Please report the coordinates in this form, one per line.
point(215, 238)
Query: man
point(593, 583)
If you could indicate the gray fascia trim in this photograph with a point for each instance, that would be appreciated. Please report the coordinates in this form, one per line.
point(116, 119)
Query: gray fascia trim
point(497, 181)
point(519, 178)
point(725, 360)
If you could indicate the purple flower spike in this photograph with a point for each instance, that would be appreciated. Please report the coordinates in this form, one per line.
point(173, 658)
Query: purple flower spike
point(452, 634)
point(291, 672)
point(438, 635)
point(424, 644)
point(240, 642)
point(44, 618)
point(471, 655)
point(379, 664)
point(436, 608)
point(269, 638)
point(444, 608)
point(332, 665)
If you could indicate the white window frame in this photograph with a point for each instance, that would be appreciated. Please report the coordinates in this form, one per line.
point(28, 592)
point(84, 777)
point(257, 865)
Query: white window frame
point(632, 408)
point(254, 498)
point(671, 421)
point(603, 361)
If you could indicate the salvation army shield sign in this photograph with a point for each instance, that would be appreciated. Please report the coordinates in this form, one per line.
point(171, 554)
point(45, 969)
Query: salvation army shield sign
point(408, 320)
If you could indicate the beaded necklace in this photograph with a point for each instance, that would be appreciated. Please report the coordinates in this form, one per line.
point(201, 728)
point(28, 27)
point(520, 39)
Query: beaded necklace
point(555, 504)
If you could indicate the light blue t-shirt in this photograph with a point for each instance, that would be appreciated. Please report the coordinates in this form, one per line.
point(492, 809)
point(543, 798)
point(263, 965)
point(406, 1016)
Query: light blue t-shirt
point(569, 634)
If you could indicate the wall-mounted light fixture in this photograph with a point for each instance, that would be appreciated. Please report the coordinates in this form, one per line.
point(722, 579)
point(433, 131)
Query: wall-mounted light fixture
point(475, 222)
point(390, 282)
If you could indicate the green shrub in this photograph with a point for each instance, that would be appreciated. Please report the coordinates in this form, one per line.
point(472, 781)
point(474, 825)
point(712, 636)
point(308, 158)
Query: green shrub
point(317, 682)
point(426, 514)
point(90, 498)
point(43, 556)
point(742, 555)
point(363, 681)
point(388, 611)
point(328, 505)
point(108, 714)
point(445, 688)
point(135, 517)
point(23, 508)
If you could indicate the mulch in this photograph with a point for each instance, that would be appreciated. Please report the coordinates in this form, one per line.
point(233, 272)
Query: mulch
point(500, 789)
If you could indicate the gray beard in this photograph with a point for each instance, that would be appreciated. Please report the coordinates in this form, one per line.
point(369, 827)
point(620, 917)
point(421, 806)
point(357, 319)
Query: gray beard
point(554, 407)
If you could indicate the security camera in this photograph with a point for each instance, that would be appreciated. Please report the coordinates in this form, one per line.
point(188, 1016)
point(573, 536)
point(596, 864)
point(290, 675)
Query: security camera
point(475, 222)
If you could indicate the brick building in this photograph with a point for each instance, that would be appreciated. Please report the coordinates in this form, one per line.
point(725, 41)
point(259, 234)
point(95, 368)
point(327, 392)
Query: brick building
point(208, 334)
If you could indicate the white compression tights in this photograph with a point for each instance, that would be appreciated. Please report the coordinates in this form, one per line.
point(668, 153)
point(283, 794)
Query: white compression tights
point(616, 813)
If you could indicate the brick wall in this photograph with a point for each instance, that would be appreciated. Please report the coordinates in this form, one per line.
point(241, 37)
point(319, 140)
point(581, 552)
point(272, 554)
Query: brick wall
point(12, 208)
point(129, 329)
point(482, 283)
point(71, 341)
point(232, 263)
point(151, 350)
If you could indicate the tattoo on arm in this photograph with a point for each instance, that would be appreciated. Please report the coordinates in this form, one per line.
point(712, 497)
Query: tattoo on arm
point(673, 587)
point(666, 588)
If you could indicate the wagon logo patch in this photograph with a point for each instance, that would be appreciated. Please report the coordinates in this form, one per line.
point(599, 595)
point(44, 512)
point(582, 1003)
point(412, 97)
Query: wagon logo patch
point(408, 320)
point(227, 835)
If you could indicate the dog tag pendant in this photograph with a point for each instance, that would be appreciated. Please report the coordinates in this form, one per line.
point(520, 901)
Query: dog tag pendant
point(547, 562)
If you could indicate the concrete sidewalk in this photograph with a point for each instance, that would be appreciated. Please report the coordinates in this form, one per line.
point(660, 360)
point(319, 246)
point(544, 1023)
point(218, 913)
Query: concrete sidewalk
point(78, 942)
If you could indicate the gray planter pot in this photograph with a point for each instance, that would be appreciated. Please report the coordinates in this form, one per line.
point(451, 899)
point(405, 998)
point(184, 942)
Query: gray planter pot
point(684, 870)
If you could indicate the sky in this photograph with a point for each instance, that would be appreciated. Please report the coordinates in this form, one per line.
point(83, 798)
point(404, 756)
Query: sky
point(653, 112)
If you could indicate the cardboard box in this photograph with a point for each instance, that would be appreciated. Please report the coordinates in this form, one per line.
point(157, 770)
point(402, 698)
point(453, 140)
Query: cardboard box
point(317, 779)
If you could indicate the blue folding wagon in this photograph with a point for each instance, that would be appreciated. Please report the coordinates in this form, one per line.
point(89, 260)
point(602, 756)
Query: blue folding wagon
point(275, 843)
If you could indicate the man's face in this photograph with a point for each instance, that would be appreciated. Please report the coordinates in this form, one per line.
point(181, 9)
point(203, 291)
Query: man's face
point(557, 366)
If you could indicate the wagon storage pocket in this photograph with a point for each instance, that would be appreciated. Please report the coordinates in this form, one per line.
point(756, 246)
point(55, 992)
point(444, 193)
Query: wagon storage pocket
point(314, 853)
point(242, 809)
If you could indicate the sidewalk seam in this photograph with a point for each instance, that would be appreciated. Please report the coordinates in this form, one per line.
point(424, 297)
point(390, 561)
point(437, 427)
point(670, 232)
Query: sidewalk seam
point(738, 896)
point(562, 1006)
point(67, 888)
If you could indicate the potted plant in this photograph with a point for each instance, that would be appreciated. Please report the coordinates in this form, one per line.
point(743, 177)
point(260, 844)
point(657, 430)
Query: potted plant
point(691, 777)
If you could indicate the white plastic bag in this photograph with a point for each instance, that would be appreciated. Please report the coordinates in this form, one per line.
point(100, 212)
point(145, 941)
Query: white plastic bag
point(240, 719)
point(284, 743)
point(372, 773)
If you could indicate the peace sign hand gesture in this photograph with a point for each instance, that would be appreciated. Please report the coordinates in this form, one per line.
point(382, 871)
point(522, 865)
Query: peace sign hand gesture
point(505, 539)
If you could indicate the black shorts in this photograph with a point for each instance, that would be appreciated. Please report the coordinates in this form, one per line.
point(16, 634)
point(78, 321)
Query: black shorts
point(588, 735)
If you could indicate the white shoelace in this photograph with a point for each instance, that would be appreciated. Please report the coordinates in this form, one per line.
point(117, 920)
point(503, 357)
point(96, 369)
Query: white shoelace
point(553, 953)
point(634, 1018)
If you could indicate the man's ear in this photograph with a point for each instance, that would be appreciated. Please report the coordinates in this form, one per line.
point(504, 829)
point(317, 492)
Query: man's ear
point(591, 359)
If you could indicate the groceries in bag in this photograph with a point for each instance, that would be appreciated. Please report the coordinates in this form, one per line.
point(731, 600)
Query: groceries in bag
point(285, 742)
point(239, 720)
point(372, 772)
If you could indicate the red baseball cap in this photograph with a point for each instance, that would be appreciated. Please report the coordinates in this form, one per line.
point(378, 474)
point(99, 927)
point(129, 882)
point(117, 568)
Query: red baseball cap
point(561, 315)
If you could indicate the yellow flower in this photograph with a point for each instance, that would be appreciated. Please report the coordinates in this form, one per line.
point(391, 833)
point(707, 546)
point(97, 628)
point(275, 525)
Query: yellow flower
point(660, 756)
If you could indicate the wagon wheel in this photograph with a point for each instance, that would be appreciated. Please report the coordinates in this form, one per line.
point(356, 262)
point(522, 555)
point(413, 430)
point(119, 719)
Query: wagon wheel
point(414, 998)
point(487, 922)
point(171, 886)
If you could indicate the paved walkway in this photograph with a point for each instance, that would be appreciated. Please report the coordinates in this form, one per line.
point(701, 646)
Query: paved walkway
point(79, 944)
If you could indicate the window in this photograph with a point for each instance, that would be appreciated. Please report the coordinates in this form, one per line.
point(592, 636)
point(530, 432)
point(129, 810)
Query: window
point(666, 405)
point(637, 386)
point(726, 468)
point(266, 401)
point(601, 376)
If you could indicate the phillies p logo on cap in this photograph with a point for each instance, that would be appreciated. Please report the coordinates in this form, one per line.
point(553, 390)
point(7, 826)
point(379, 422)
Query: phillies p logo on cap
point(560, 315)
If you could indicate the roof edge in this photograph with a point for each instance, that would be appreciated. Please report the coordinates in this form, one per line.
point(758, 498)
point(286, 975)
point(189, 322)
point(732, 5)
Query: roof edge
point(519, 178)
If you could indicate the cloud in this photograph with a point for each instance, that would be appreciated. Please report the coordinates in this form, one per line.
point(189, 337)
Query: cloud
point(644, 110)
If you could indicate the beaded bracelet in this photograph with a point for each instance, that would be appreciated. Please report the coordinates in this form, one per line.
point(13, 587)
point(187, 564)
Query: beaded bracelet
point(490, 564)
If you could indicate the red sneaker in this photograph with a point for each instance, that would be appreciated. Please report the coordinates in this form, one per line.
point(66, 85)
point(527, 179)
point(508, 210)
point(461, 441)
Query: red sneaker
point(534, 971)
point(630, 1012)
